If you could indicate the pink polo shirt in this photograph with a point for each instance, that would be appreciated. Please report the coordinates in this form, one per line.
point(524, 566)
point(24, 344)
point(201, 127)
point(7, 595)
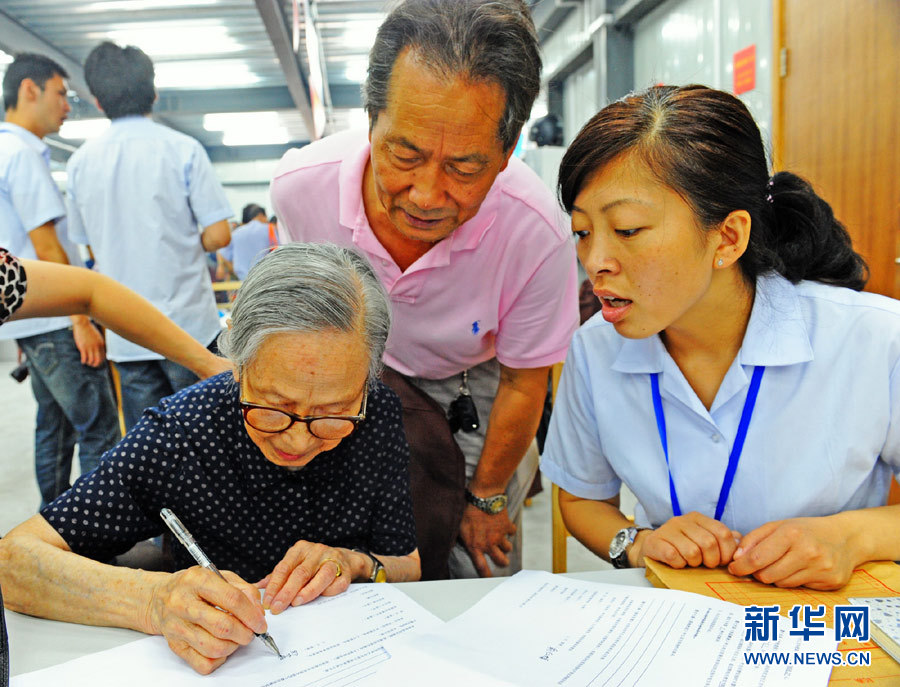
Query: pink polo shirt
point(503, 284)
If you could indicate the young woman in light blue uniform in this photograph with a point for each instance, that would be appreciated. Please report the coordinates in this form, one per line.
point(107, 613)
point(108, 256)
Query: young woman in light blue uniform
point(736, 380)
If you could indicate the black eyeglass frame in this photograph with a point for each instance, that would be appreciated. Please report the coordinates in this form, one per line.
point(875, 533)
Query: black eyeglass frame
point(246, 407)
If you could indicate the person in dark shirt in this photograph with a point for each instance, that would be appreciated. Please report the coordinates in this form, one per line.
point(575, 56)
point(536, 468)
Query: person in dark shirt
point(291, 472)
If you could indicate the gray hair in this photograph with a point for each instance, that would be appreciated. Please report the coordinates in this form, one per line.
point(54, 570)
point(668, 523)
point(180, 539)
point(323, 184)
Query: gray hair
point(480, 40)
point(308, 288)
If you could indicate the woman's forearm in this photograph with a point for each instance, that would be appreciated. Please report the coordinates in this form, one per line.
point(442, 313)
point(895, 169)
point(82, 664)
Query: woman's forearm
point(41, 577)
point(593, 523)
point(61, 290)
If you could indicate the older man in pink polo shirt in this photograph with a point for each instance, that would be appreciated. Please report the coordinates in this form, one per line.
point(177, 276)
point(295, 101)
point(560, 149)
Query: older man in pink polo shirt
point(471, 246)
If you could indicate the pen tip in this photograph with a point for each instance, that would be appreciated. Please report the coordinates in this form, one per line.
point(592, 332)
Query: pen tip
point(271, 644)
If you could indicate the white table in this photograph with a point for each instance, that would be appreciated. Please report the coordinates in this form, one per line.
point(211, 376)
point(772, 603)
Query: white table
point(35, 643)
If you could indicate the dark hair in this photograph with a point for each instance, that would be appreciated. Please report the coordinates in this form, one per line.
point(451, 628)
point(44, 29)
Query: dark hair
point(704, 144)
point(482, 40)
point(26, 65)
point(250, 211)
point(121, 79)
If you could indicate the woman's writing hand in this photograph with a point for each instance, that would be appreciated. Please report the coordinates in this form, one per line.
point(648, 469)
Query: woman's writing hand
point(686, 540)
point(204, 618)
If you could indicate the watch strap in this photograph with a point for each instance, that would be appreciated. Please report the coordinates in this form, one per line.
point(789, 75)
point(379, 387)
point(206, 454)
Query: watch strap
point(378, 572)
point(492, 505)
point(620, 560)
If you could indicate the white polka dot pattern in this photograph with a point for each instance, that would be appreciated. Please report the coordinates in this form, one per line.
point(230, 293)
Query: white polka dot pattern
point(192, 454)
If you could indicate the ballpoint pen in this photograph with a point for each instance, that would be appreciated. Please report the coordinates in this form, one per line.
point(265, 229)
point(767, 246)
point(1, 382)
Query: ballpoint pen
point(187, 540)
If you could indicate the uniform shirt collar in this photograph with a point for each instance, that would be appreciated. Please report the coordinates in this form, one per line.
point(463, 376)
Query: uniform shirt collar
point(29, 138)
point(776, 333)
point(130, 120)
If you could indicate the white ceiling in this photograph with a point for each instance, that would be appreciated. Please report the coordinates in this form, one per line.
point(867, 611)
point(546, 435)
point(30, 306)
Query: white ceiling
point(218, 57)
point(211, 56)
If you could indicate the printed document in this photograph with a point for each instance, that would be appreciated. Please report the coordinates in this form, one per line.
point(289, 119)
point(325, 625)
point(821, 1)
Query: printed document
point(541, 629)
point(335, 641)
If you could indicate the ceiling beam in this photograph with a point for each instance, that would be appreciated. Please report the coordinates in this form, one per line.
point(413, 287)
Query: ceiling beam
point(633, 10)
point(549, 14)
point(252, 99)
point(16, 38)
point(258, 152)
point(298, 86)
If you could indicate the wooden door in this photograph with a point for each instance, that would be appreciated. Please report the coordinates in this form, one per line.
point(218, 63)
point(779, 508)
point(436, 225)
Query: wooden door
point(836, 117)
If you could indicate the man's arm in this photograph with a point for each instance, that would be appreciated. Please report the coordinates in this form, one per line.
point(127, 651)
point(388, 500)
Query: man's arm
point(88, 339)
point(217, 235)
point(514, 419)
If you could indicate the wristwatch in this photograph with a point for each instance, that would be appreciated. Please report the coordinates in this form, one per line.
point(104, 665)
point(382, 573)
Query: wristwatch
point(378, 572)
point(618, 548)
point(490, 505)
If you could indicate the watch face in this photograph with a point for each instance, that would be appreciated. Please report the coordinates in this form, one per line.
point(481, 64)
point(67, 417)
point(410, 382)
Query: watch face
point(380, 575)
point(618, 544)
point(497, 504)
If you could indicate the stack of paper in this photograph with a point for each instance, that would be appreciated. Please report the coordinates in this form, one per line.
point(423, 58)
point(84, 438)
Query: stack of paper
point(884, 618)
point(336, 640)
point(533, 629)
point(541, 629)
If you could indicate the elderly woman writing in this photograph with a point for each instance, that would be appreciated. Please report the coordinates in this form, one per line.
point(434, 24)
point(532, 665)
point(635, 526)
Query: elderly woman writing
point(291, 473)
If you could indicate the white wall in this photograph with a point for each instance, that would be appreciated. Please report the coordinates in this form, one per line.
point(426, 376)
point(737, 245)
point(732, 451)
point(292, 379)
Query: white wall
point(680, 42)
point(246, 182)
point(579, 100)
point(694, 41)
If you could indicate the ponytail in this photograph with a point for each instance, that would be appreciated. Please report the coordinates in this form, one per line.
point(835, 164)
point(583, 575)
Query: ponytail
point(800, 238)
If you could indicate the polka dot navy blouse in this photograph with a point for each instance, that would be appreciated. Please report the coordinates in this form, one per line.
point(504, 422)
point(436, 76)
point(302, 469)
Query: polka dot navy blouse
point(12, 285)
point(192, 454)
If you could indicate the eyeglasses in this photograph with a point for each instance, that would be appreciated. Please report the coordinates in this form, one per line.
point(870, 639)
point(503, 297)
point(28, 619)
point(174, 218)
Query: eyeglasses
point(273, 420)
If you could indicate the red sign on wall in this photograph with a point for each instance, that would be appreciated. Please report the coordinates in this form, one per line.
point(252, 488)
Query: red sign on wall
point(744, 70)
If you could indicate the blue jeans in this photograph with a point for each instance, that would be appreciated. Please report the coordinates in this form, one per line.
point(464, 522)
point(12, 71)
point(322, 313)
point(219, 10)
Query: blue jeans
point(145, 382)
point(75, 404)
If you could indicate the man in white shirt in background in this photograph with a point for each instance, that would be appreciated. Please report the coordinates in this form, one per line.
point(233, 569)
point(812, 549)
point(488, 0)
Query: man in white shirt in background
point(136, 194)
point(65, 355)
point(249, 242)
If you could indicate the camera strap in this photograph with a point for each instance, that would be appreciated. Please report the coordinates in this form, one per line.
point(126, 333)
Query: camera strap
point(4, 648)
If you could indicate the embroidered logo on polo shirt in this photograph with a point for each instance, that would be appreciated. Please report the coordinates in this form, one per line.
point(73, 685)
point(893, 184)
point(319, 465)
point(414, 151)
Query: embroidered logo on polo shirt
point(475, 327)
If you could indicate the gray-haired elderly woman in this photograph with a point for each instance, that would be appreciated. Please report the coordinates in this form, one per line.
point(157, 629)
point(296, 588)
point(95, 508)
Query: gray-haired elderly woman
point(291, 474)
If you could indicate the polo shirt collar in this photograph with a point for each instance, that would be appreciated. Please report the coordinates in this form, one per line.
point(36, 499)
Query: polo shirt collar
point(29, 138)
point(776, 333)
point(352, 213)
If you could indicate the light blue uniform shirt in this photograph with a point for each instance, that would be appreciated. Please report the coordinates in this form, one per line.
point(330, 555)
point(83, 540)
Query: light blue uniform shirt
point(249, 243)
point(136, 194)
point(28, 199)
point(824, 436)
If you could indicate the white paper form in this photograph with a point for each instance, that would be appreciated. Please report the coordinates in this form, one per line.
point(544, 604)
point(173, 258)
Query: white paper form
point(331, 642)
point(541, 629)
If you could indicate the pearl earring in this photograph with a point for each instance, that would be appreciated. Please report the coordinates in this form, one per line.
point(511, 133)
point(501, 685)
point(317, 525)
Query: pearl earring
point(720, 262)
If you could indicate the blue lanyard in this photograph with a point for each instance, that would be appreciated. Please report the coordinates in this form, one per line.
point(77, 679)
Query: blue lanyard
point(735, 450)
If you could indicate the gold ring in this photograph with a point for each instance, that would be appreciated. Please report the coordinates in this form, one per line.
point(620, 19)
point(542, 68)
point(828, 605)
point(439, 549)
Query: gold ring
point(337, 564)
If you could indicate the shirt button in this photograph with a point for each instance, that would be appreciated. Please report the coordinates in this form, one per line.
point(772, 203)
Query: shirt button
point(384, 262)
point(716, 438)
